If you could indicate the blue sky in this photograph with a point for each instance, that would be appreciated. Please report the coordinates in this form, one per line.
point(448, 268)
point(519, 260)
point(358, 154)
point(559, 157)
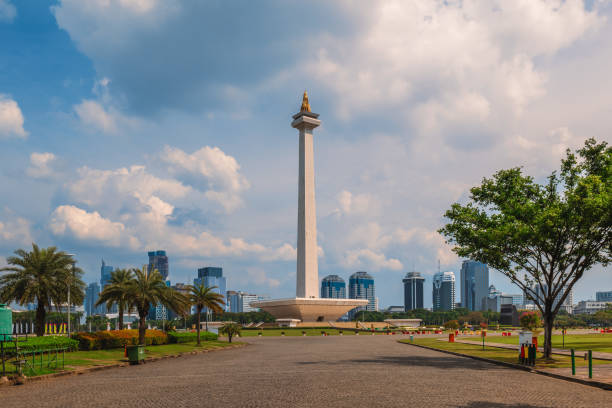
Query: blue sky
point(134, 125)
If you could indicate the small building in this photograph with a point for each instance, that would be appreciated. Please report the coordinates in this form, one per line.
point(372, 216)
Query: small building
point(590, 307)
point(404, 323)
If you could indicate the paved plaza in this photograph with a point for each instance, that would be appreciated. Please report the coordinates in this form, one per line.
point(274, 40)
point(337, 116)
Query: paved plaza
point(338, 371)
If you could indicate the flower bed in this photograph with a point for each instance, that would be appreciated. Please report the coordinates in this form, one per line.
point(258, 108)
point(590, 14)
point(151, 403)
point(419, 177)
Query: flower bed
point(117, 338)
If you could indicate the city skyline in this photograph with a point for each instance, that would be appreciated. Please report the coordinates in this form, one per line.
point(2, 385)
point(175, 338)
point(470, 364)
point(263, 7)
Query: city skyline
point(116, 150)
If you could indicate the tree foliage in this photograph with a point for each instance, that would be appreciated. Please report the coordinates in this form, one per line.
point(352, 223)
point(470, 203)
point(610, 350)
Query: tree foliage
point(41, 276)
point(230, 330)
point(116, 292)
point(202, 296)
point(540, 234)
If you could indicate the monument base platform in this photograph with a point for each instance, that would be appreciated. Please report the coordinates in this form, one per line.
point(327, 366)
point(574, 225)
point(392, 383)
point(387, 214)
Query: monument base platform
point(309, 309)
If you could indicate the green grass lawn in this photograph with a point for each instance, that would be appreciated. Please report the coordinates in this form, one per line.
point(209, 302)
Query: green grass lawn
point(80, 359)
point(594, 342)
point(509, 356)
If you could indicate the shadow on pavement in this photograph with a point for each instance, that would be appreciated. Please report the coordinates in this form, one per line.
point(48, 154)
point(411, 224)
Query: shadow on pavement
point(486, 404)
point(415, 361)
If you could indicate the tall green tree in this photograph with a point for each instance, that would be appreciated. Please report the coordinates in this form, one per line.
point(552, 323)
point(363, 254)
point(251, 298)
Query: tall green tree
point(548, 234)
point(41, 276)
point(116, 292)
point(148, 288)
point(202, 296)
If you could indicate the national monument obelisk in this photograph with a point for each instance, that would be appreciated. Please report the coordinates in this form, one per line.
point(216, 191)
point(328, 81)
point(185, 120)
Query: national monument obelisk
point(307, 306)
point(307, 284)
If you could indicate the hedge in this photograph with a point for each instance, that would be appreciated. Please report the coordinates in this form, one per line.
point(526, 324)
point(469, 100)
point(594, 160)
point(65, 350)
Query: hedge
point(117, 338)
point(187, 337)
point(43, 343)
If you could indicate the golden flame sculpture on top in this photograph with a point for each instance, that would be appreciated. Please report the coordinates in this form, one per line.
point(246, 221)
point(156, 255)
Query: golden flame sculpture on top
point(305, 105)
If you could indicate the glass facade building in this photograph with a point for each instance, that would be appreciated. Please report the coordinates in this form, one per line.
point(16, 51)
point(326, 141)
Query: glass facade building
point(474, 284)
point(212, 276)
point(158, 260)
point(92, 294)
point(333, 287)
point(413, 291)
point(361, 286)
point(603, 296)
point(443, 291)
point(105, 275)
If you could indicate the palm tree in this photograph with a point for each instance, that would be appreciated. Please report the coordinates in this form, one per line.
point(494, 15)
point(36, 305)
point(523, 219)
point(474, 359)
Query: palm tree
point(202, 296)
point(148, 288)
point(230, 330)
point(41, 276)
point(116, 292)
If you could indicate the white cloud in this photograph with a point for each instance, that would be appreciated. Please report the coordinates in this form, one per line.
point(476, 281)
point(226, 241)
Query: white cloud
point(15, 230)
point(210, 166)
point(92, 113)
point(68, 220)
point(357, 204)
point(11, 118)
point(41, 165)
point(8, 12)
point(370, 260)
point(259, 277)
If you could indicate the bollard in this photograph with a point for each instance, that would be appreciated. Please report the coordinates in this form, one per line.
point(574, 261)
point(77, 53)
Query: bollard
point(590, 364)
point(573, 362)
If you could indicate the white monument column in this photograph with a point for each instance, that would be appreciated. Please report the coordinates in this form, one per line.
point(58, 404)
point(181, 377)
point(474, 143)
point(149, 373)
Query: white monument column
point(307, 263)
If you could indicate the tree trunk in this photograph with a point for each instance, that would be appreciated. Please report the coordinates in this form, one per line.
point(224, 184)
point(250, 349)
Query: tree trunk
point(198, 328)
point(229, 336)
point(548, 328)
point(120, 315)
point(206, 320)
point(142, 328)
point(40, 319)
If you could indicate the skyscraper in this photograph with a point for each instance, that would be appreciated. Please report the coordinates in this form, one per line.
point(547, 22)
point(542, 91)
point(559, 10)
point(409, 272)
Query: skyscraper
point(361, 286)
point(474, 284)
point(105, 274)
point(158, 260)
point(92, 294)
point(444, 291)
point(212, 276)
point(413, 291)
point(333, 287)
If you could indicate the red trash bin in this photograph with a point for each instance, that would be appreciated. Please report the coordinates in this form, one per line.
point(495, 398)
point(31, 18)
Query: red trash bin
point(451, 338)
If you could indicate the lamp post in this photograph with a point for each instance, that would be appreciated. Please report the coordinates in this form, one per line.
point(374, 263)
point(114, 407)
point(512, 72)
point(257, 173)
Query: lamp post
point(70, 284)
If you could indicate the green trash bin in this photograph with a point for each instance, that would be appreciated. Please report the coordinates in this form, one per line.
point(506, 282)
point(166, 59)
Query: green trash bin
point(136, 354)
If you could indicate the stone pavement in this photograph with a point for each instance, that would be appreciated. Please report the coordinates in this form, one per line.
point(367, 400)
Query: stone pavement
point(334, 371)
point(578, 353)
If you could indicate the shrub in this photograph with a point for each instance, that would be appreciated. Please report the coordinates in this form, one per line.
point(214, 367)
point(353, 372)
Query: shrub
point(452, 325)
point(117, 338)
point(530, 320)
point(187, 337)
point(43, 343)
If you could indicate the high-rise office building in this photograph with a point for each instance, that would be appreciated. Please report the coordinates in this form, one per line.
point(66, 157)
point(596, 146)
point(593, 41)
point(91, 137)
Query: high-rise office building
point(333, 287)
point(234, 301)
point(158, 260)
point(538, 292)
point(474, 284)
point(105, 274)
point(92, 294)
point(444, 291)
point(212, 276)
point(413, 291)
point(495, 299)
point(603, 296)
point(361, 286)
